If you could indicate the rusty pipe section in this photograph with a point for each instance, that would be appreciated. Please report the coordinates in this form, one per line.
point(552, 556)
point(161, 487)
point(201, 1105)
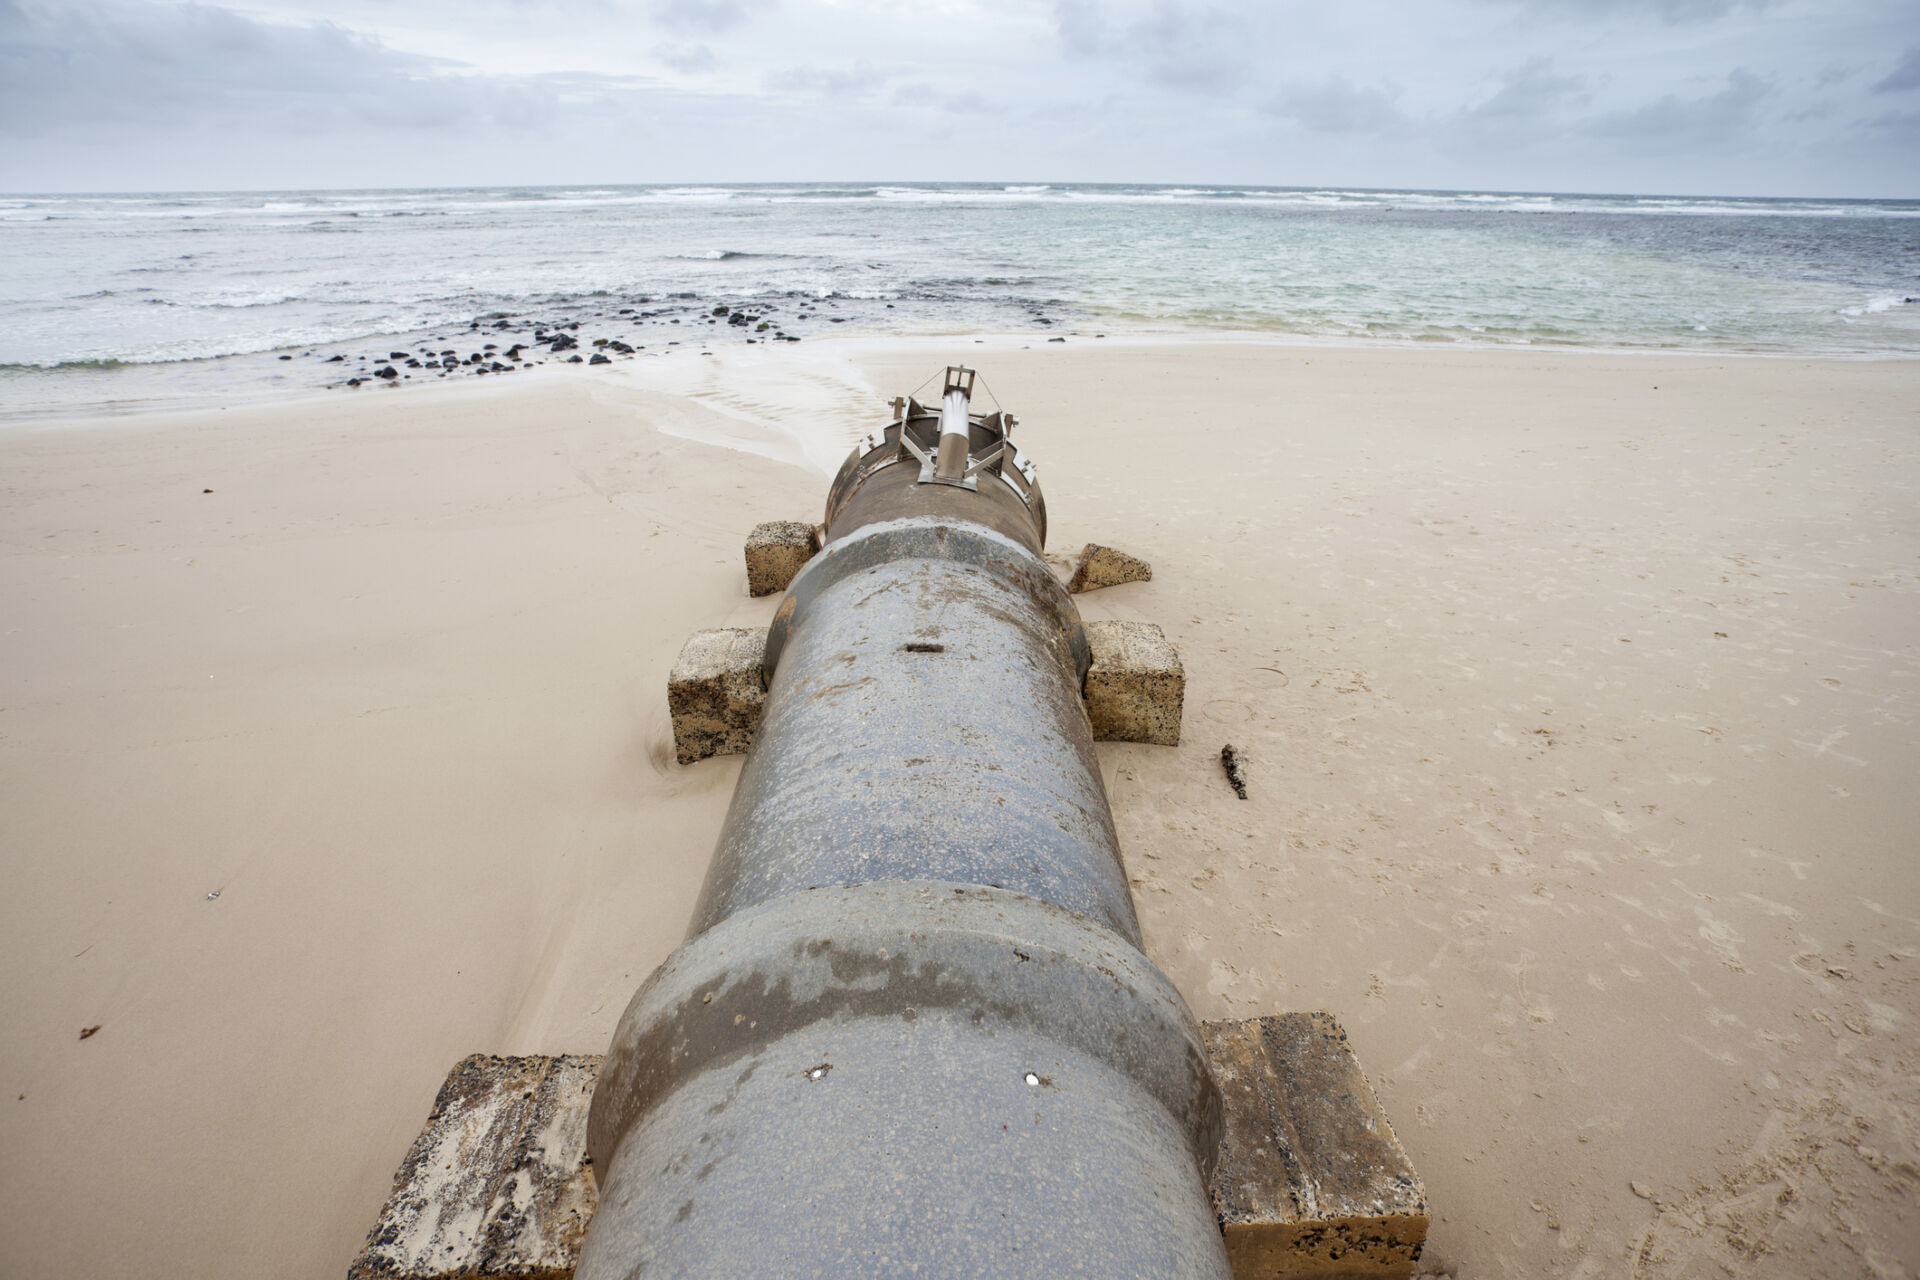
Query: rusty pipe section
point(911, 1031)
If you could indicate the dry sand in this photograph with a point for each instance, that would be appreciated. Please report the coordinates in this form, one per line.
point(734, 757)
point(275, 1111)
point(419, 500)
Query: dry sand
point(1578, 696)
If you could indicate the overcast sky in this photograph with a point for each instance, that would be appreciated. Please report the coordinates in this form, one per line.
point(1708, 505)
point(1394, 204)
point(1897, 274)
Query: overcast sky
point(1754, 97)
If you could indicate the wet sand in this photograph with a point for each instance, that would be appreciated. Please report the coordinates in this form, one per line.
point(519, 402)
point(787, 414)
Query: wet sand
point(1577, 694)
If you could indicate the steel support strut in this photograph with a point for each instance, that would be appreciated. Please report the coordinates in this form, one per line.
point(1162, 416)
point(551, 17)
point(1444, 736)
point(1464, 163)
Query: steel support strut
point(911, 1031)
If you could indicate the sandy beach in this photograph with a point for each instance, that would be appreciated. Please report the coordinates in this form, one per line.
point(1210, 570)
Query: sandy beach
point(1578, 695)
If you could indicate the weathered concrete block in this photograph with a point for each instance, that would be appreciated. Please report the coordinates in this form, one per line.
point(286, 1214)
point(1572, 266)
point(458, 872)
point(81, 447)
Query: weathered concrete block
point(716, 692)
point(497, 1184)
point(1099, 566)
point(1311, 1181)
point(776, 551)
point(1136, 686)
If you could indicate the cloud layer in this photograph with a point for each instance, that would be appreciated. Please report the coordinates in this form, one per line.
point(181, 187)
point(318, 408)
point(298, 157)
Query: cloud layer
point(1736, 96)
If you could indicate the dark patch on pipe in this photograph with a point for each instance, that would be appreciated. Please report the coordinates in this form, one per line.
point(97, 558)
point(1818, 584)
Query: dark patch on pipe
point(945, 957)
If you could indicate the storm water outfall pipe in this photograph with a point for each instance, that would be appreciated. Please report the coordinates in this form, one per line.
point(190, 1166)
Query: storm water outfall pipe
point(912, 1031)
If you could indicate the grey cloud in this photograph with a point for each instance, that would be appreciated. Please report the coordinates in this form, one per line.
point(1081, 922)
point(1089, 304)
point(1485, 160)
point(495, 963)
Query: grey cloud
point(193, 72)
point(148, 65)
point(1531, 91)
point(1902, 125)
point(689, 58)
point(1672, 11)
point(1115, 89)
point(712, 16)
point(1672, 124)
point(1082, 29)
point(1905, 74)
point(828, 81)
point(1337, 105)
point(1190, 48)
point(1180, 46)
point(966, 102)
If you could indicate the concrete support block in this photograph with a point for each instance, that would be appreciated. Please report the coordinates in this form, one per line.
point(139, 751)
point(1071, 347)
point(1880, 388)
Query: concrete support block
point(1136, 686)
point(1098, 566)
point(1311, 1183)
point(497, 1184)
point(776, 551)
point(1134, 689)
point(716, 691)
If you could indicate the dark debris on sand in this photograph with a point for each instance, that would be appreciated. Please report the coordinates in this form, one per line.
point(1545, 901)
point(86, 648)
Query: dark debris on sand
point(1236, 773)
point(606, 328)
point(616, 329)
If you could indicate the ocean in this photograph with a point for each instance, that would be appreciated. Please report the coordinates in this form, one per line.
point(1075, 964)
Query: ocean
point(141, 301)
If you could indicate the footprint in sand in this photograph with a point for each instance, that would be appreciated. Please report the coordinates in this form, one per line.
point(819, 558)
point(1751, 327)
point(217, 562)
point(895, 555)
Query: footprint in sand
point(1721, 937)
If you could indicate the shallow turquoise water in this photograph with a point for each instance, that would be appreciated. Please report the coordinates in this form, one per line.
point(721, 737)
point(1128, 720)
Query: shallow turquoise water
point(98, 282)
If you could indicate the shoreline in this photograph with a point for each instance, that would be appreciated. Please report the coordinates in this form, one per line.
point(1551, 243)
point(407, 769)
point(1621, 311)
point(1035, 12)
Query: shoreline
point(1578, 716)
point(257, 393)
point(146, 277)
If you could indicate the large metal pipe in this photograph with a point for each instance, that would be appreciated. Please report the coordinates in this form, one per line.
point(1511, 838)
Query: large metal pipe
point(911, 1031)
